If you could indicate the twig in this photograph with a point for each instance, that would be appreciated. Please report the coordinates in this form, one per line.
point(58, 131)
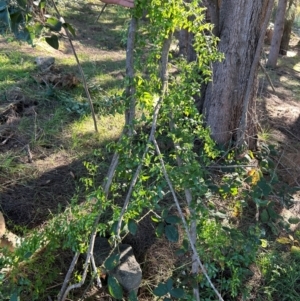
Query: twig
point(99, 284)
point(102, 10)
point(282, 127)
point(86, 264)
point(79, 67)
point(29, 155)
point(5, 141)
point(195, 253)
point(267, 76)
point(229, 166)
point(68, 276)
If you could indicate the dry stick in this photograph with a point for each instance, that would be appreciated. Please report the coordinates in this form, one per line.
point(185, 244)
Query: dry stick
point(267, 76)
point(102, 10)
point(243, 122)
point(68, 276)
point(183, 219)
point(86, 264)
point(64, 292)
point(164, 74)
point(79, 67)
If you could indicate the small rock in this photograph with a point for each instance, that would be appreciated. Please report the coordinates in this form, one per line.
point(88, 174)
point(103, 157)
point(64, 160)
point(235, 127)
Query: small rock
point(44, 62)
point(128, 272)
point(2, 224)
point(7, 239)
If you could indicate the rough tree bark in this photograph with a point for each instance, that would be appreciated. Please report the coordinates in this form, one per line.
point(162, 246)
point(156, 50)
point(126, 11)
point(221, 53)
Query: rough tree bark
point(288, 24)
point(277, 34)
point(240, 28)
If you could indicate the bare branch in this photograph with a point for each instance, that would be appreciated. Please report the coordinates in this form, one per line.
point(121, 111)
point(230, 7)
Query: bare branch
point(164, 75)
point(80, 69)
point(195, 253)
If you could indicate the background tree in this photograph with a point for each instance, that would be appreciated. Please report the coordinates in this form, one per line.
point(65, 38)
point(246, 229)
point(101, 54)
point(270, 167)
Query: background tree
point(288, 24)
point(277, 34)
point(229, 100)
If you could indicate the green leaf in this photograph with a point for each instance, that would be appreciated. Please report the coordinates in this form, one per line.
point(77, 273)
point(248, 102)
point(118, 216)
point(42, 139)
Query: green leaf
point(159, 229)
point(155, 219)
point(112, 261)
point(132, 296)
point(54, 24)
point(160, 290)
point(264, 216)
point(295, 250)
point(172, 219)
point(132, 226)
point(264, 243)
point(169, 284)
point(284, 240)
point(115, 288)
point(260, 202)
point(177, 292)
point(22, 3)
point(294, 220)
point(70, 28)
point(53, 41)
point(164, 213)
point(185, 244)
point(14, 297)
point(171, 233)
point(264, 186)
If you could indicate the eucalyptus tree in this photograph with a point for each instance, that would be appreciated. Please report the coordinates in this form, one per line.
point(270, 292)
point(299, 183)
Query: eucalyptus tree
point(229, 100)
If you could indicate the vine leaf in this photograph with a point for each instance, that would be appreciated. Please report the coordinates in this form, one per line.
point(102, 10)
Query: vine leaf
point(177, 292)
point(132, 226)
point(112, 261)
point(70, 28)
point(159, 229)
point(160, 290)
point(169, 284)
point(171, 233)
point(264, 216)
point(172, 219)
point(54, 24)
point(115, 288)
point(52, 41)
point(294, 220)
point(132, 296)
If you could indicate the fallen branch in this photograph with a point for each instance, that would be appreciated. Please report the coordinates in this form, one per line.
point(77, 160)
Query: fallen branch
point(195, 253)
point(79, 67)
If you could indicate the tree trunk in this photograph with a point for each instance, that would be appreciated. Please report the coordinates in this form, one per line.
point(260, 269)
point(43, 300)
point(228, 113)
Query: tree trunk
point(288, 24)
point(277, 34)
point(241, 27)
